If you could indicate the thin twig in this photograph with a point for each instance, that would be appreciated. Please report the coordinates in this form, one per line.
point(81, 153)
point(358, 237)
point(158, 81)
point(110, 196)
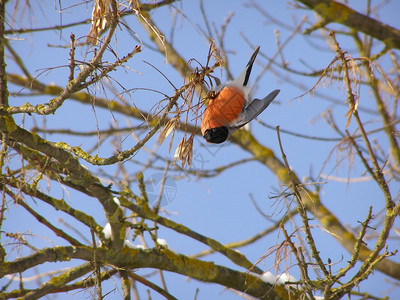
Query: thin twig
point(380, 177)
point(96, 267)
point(302, 211)
point(151, 285)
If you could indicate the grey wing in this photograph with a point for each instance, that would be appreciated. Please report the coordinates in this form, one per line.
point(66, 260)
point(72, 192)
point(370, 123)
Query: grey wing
point(256, 107)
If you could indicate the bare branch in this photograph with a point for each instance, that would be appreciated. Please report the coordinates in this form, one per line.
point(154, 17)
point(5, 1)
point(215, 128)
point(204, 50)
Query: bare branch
point(332, 11)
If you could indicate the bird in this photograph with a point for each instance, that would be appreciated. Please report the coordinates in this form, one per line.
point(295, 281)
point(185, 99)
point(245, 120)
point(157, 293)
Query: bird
point(230, 108)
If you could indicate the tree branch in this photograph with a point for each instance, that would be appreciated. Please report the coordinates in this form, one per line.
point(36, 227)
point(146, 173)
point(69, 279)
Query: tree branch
point(328, 220)
point(151, 258)
point(146, 213)
point(3, 77)
point(332, 11)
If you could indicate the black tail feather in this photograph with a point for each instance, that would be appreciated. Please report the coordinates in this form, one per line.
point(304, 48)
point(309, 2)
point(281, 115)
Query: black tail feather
point(250, 65)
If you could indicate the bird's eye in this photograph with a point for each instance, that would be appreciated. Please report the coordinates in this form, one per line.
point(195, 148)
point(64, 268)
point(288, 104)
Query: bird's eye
point(212, 94)
point(216, 135)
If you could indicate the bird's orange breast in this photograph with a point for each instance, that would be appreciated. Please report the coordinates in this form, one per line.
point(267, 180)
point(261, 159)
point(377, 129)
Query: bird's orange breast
point(223, 109)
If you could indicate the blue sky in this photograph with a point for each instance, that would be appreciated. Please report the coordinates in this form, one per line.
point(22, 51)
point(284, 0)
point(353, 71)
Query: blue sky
point(219, 207)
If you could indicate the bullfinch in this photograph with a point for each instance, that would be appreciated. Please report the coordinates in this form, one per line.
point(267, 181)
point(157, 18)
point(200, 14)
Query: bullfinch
point(231, 109)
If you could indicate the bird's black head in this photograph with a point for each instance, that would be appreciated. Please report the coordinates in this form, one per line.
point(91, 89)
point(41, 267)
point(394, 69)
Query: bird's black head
point(216, 135)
